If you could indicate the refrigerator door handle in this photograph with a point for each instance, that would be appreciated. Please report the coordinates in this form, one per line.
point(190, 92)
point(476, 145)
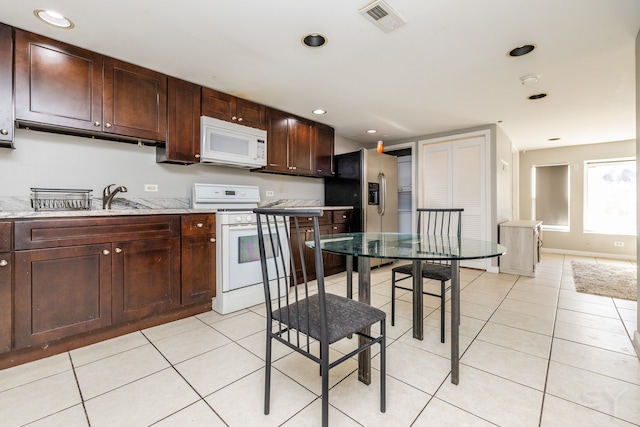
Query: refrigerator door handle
point(382, 207)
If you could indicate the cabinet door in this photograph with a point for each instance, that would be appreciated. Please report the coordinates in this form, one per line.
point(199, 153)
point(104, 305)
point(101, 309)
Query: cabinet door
point(61, 292)
point(218, 105)
point(5, 301)
point(135, 101)
point(277, 141)
point(198, 268)
point(323, 152)
point(227, 107)
point(6, 86)
point(183, 123)
point(146, 278)
point(300, 146)
point(57, 84)
point(251, 113)
point(336, 263)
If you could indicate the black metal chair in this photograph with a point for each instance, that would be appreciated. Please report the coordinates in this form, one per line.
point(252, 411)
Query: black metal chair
point(296, 314)
point(445, 223)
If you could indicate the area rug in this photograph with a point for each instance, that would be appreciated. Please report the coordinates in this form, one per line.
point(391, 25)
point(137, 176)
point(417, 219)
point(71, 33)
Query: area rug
point(609, 280)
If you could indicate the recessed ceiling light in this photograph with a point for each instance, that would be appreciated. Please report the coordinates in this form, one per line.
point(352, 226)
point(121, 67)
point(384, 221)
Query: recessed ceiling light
point(521, 50)
point(54, 18)
point(319, 111)
point(314, 40)
point(372, 131)
point(529, 79)
point(538, 96)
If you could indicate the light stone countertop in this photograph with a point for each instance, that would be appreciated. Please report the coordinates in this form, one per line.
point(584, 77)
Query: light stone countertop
point(20, 207)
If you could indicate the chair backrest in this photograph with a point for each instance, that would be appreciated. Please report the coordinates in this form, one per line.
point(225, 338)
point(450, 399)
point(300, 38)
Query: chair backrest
point(445, 223)
point(285, 295)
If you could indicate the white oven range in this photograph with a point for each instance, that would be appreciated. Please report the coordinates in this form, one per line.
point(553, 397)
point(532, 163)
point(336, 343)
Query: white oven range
point(238, 269)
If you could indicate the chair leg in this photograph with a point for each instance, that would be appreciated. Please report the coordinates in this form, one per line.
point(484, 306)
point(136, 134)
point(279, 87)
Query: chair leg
point(267, 376)
point(324, 363)
point(393, 298)
point(442, 304)
point(383, 368)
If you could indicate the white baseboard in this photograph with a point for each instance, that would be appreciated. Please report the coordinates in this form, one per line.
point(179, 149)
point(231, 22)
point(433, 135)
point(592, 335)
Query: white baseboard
point(590, 254)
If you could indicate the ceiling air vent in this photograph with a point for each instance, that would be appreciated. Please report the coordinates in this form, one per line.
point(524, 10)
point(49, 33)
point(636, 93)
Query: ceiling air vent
point(383, 15)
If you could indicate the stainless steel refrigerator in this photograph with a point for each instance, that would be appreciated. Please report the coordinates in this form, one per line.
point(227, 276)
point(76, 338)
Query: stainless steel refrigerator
point(368, 181)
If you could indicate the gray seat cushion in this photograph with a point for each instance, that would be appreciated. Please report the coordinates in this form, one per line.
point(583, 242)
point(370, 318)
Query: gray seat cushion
point(440, 272)
point(344, 316)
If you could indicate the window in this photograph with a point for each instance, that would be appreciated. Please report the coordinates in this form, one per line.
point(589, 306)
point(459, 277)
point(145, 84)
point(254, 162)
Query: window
point(610, 197)
point(551, 196)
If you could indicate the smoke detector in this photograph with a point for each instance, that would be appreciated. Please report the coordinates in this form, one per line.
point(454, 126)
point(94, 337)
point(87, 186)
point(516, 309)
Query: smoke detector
point(382, 15)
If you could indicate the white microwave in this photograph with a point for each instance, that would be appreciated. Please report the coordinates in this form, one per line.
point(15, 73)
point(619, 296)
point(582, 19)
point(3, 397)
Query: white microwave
point(232, 144)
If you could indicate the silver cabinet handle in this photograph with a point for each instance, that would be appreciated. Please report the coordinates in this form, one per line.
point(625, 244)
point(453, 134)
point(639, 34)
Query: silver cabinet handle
point(234, 118)
point(4, 132)
point(106, 252)
point(107, 125)
point(3, 263)
point(96, 124)
point(197, 156)
point(212, 240)
point(199, 225)
point(118, 250)
point(239, 119)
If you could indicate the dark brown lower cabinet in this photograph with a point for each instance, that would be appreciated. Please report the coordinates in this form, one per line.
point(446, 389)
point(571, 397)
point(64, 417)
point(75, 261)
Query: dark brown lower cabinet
point(61, 292)
point(146, 278)
point(77, 275)
point(5, 301)
point(332, 222)
point(198, 258)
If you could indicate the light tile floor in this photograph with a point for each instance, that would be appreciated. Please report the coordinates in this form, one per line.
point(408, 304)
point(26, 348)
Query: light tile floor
point(534, 352)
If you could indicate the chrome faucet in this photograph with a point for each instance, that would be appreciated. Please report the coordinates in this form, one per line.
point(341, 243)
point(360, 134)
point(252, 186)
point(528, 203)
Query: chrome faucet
point(108, 195)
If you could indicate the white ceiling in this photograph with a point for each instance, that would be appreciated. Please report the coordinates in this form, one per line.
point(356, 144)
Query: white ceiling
point(446, 69)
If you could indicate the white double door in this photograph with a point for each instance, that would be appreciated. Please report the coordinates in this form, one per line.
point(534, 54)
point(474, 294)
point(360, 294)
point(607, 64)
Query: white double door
point(455, 173)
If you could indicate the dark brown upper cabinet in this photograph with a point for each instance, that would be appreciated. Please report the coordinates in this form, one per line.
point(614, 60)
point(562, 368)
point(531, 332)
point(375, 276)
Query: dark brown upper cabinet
point(60, 86)
point(324, 150)
point(134, 101)
point(232, 109)
point(183, 124)
point(6, 86)
point(290, 143)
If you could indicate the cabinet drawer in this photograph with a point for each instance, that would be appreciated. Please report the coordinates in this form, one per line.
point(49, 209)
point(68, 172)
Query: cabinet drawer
point(341, 217)
point(325, 219)
point(198, 224)
point(49, 233)
point(5, 236)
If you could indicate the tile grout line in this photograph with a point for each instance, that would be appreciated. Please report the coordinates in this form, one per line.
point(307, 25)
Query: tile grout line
point(553, 334)
point(75, 376)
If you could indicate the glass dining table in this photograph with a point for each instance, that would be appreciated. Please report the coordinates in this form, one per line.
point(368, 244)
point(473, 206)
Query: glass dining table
point(416, 248)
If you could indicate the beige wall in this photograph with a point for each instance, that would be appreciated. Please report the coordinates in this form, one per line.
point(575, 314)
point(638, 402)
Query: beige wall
point(575, 156)
point(43, 159)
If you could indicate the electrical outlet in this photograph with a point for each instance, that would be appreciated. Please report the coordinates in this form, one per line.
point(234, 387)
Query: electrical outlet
point(619, 244)
point(151, 187)
point(269, 193)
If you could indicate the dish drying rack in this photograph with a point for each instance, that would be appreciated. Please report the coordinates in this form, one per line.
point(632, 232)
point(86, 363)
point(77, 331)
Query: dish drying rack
point(60, 199)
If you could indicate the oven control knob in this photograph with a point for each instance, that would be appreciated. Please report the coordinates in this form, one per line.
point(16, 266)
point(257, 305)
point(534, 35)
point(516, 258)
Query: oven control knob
point(249, 218)
point(238, 218)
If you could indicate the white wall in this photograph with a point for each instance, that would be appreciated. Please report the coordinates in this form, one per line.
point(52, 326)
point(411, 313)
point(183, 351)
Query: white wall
point(42, 159)
point(575, 240)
